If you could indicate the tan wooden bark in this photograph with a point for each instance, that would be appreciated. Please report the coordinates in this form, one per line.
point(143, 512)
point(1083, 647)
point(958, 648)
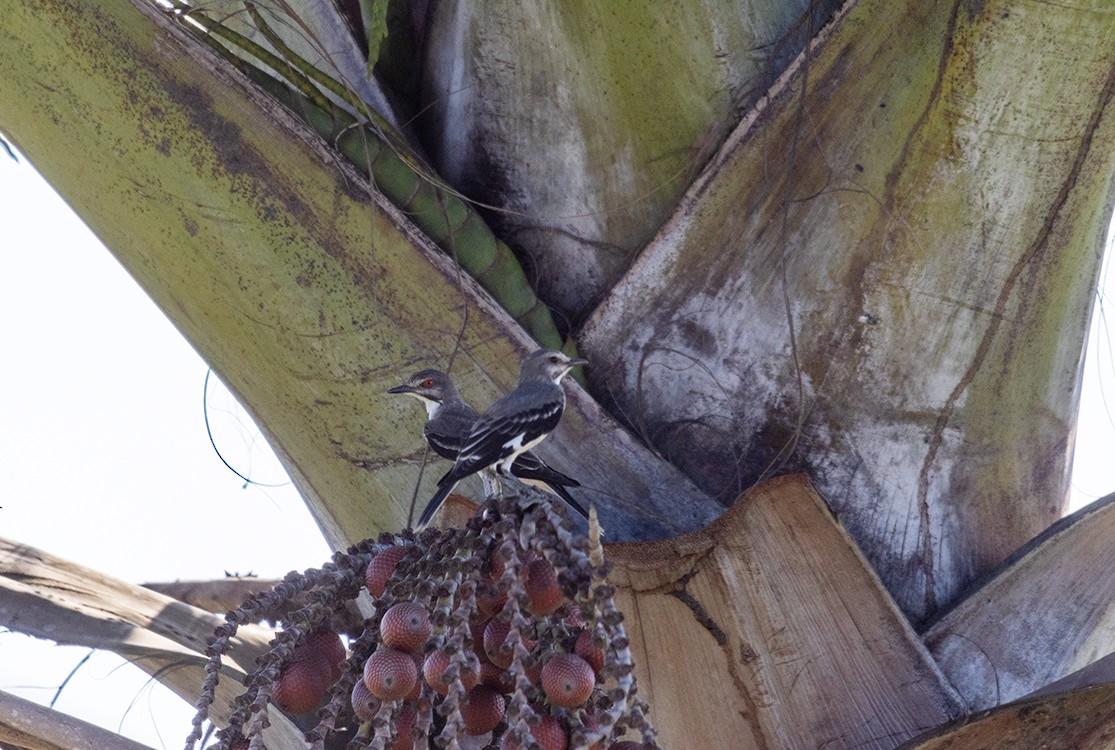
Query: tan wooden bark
point(213, 596)
point(936, 255)
point(911, 223)
point(1099, 672)
point(25, 725)
point(768, 629)
point(47, 597)
point(1047, 613)
point(226, 594)
point(1079, 720)
point(307, 292)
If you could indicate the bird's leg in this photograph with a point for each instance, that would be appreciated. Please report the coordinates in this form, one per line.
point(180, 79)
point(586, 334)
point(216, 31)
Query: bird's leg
point(491, 483)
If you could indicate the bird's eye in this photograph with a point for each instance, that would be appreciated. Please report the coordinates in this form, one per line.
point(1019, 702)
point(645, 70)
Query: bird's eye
point(554, 359)
point(428, 383)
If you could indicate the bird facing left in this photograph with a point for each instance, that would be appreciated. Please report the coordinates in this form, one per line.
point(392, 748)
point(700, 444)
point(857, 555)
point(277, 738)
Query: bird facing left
point(506, 431)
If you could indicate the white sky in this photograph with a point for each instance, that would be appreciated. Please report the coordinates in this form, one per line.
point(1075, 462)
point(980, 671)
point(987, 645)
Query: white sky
point(104, 455)
point(106, 462)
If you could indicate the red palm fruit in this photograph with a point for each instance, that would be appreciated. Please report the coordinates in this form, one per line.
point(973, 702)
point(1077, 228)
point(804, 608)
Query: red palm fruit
point(328, 644)
point(319, 647)
point(482, 710)
point(406, 627)
point(495, 562)
point(364, 704)
point(492, 675)
point(488, 601)
point(567, 680)
point(314, 665)
point(548, 733)
point(300, 687)
point(382, 567)
point(434, 671)
point(495, 643)
point(404, 728)
point(390, 674)
point(542, 588)
point(585, 649)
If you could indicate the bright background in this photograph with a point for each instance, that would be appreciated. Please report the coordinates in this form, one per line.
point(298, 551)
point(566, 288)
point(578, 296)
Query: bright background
point(106, 461)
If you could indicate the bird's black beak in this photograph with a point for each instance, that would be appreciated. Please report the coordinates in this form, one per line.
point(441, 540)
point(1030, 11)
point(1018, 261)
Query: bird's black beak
point(404, 388)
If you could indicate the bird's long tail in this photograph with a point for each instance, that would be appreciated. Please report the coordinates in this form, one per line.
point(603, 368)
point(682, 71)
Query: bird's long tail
point(445, 485)
point(561, 492)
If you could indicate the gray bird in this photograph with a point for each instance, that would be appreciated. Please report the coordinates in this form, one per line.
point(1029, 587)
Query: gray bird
point(512, 425)
point(450, 421)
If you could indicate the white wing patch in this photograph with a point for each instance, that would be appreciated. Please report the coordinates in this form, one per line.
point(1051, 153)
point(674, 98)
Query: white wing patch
point(516, 446)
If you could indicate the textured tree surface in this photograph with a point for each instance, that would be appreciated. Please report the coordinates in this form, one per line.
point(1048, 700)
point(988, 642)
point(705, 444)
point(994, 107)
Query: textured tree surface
point(787, 637)
point(880, 277)
point(297, 282)
point(25, 725)
point(1045, 614)
point(884, 278)
point(48, 597)
point(1079, 720)
point(963, 243)
point(588, 139)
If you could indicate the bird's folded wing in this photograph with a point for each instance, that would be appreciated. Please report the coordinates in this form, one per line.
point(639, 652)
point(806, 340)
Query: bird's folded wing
point(530, 466)
point(498, 435)
point(446, 446)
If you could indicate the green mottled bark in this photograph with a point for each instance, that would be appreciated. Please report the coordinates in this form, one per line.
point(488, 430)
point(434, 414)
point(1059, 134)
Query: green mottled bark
point(882, 278)
point(885, 279)
point(586, 121)
point(306, 290)
point(380, 151)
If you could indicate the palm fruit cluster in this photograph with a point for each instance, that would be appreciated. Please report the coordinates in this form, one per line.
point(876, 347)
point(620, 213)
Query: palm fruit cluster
point(501, 635)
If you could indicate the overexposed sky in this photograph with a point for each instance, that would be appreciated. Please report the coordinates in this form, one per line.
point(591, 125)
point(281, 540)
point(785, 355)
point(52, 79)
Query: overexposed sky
point(105, 459)
point(1093, 467)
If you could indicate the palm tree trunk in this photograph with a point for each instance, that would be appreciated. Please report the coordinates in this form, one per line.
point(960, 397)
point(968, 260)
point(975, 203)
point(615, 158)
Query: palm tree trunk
point(884, 279)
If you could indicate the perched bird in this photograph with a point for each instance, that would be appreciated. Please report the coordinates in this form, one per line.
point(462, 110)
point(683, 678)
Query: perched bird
point(450, 421)
point(512, 425)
